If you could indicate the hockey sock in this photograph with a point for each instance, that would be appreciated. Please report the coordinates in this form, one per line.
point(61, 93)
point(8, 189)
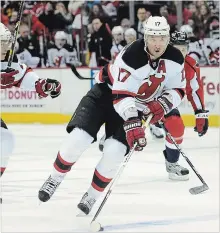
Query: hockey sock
point(172, 155)
point(61, 165)
point(75, 144)
point(100, 182)
point(113, 154)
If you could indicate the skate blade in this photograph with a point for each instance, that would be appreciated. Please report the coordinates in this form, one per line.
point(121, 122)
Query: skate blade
point(175, 177)
point(82, 214)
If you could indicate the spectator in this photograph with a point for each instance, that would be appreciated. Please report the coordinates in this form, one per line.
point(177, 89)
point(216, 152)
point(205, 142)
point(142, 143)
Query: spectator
point(194, 17)
point(125, 24)
point(195, 28)
point(192, 8)
point(63, 18)
point(60, 53)
point(98, 12)
point(204, 15)
point(74, 7)
point(28, 47)
point(12, 21)
point(118, 41)
point(9, 7)
point(85, 18)
point(48, 18)
point(130, 35)
point(37, 28)
point(199, 3)
point(213, 25)
point(213, 7)
point(100, 42)
point(148, 14)
point(14, 17)
point(139, 26)
point(111, 11)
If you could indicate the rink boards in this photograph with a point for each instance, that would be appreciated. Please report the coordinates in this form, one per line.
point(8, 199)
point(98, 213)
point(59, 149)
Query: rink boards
point(18, 106)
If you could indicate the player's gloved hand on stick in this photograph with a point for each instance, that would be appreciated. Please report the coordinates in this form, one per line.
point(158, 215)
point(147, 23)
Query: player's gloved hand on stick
point(135, 133)
point(45, 87)
point(7, 77)
point(157, 108)
point(202, 122)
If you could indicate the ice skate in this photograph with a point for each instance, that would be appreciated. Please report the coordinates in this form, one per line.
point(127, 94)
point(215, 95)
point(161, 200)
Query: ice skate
point(48, 189)
point(175, 171)
point(86, 203)
point(157, 131)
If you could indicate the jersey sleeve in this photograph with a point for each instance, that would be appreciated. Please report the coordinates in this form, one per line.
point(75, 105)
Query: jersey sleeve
point(25, 78)
point(194, 86)
point(125, 87)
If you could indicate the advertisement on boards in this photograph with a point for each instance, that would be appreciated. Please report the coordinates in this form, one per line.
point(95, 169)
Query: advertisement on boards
point(16, 101)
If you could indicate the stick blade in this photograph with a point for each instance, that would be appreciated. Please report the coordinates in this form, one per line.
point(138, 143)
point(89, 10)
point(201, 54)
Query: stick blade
point(199, 189)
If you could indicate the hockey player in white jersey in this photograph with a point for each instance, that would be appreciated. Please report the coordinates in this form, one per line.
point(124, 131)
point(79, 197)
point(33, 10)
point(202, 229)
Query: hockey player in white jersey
point(20, 76)
point(149, 69)
point(60, 53)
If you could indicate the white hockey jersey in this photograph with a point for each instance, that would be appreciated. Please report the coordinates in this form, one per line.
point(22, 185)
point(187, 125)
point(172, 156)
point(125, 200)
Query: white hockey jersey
point(25, 78)
point(135, 79)
point(62, 57)
point(206, 51)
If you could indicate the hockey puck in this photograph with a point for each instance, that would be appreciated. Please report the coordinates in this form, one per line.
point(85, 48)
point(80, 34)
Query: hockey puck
point(96, 227)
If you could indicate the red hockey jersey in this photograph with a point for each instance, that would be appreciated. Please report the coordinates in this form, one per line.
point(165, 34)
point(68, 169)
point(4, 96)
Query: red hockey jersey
point(194, 85)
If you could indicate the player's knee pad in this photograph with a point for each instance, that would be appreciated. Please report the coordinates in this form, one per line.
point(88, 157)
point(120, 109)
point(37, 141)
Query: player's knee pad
point(6, 146)
point(113, 154)
point(175, 126)
point(75, 144)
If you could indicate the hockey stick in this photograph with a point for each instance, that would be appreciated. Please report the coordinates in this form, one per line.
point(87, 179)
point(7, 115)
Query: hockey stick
point(95, 226)
point(195, 190)
point(14, 39)
point(76, 73)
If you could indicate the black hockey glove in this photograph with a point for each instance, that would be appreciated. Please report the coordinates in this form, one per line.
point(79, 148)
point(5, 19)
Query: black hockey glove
point(202, 122)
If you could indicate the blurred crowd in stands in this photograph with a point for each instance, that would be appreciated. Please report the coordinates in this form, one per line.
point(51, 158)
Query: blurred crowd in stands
point(64, 33)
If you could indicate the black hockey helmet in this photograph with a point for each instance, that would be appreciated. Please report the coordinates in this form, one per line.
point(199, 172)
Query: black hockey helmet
point(179, 38)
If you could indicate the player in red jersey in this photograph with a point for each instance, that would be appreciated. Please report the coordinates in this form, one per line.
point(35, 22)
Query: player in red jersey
point(194, 85)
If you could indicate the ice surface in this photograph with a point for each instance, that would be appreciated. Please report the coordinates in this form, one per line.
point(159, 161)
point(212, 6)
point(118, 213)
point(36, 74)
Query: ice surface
point(144, 200)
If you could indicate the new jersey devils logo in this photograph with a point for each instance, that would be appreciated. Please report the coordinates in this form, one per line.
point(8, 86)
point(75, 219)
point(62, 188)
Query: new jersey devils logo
point(57, 60)
point(149, 87)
